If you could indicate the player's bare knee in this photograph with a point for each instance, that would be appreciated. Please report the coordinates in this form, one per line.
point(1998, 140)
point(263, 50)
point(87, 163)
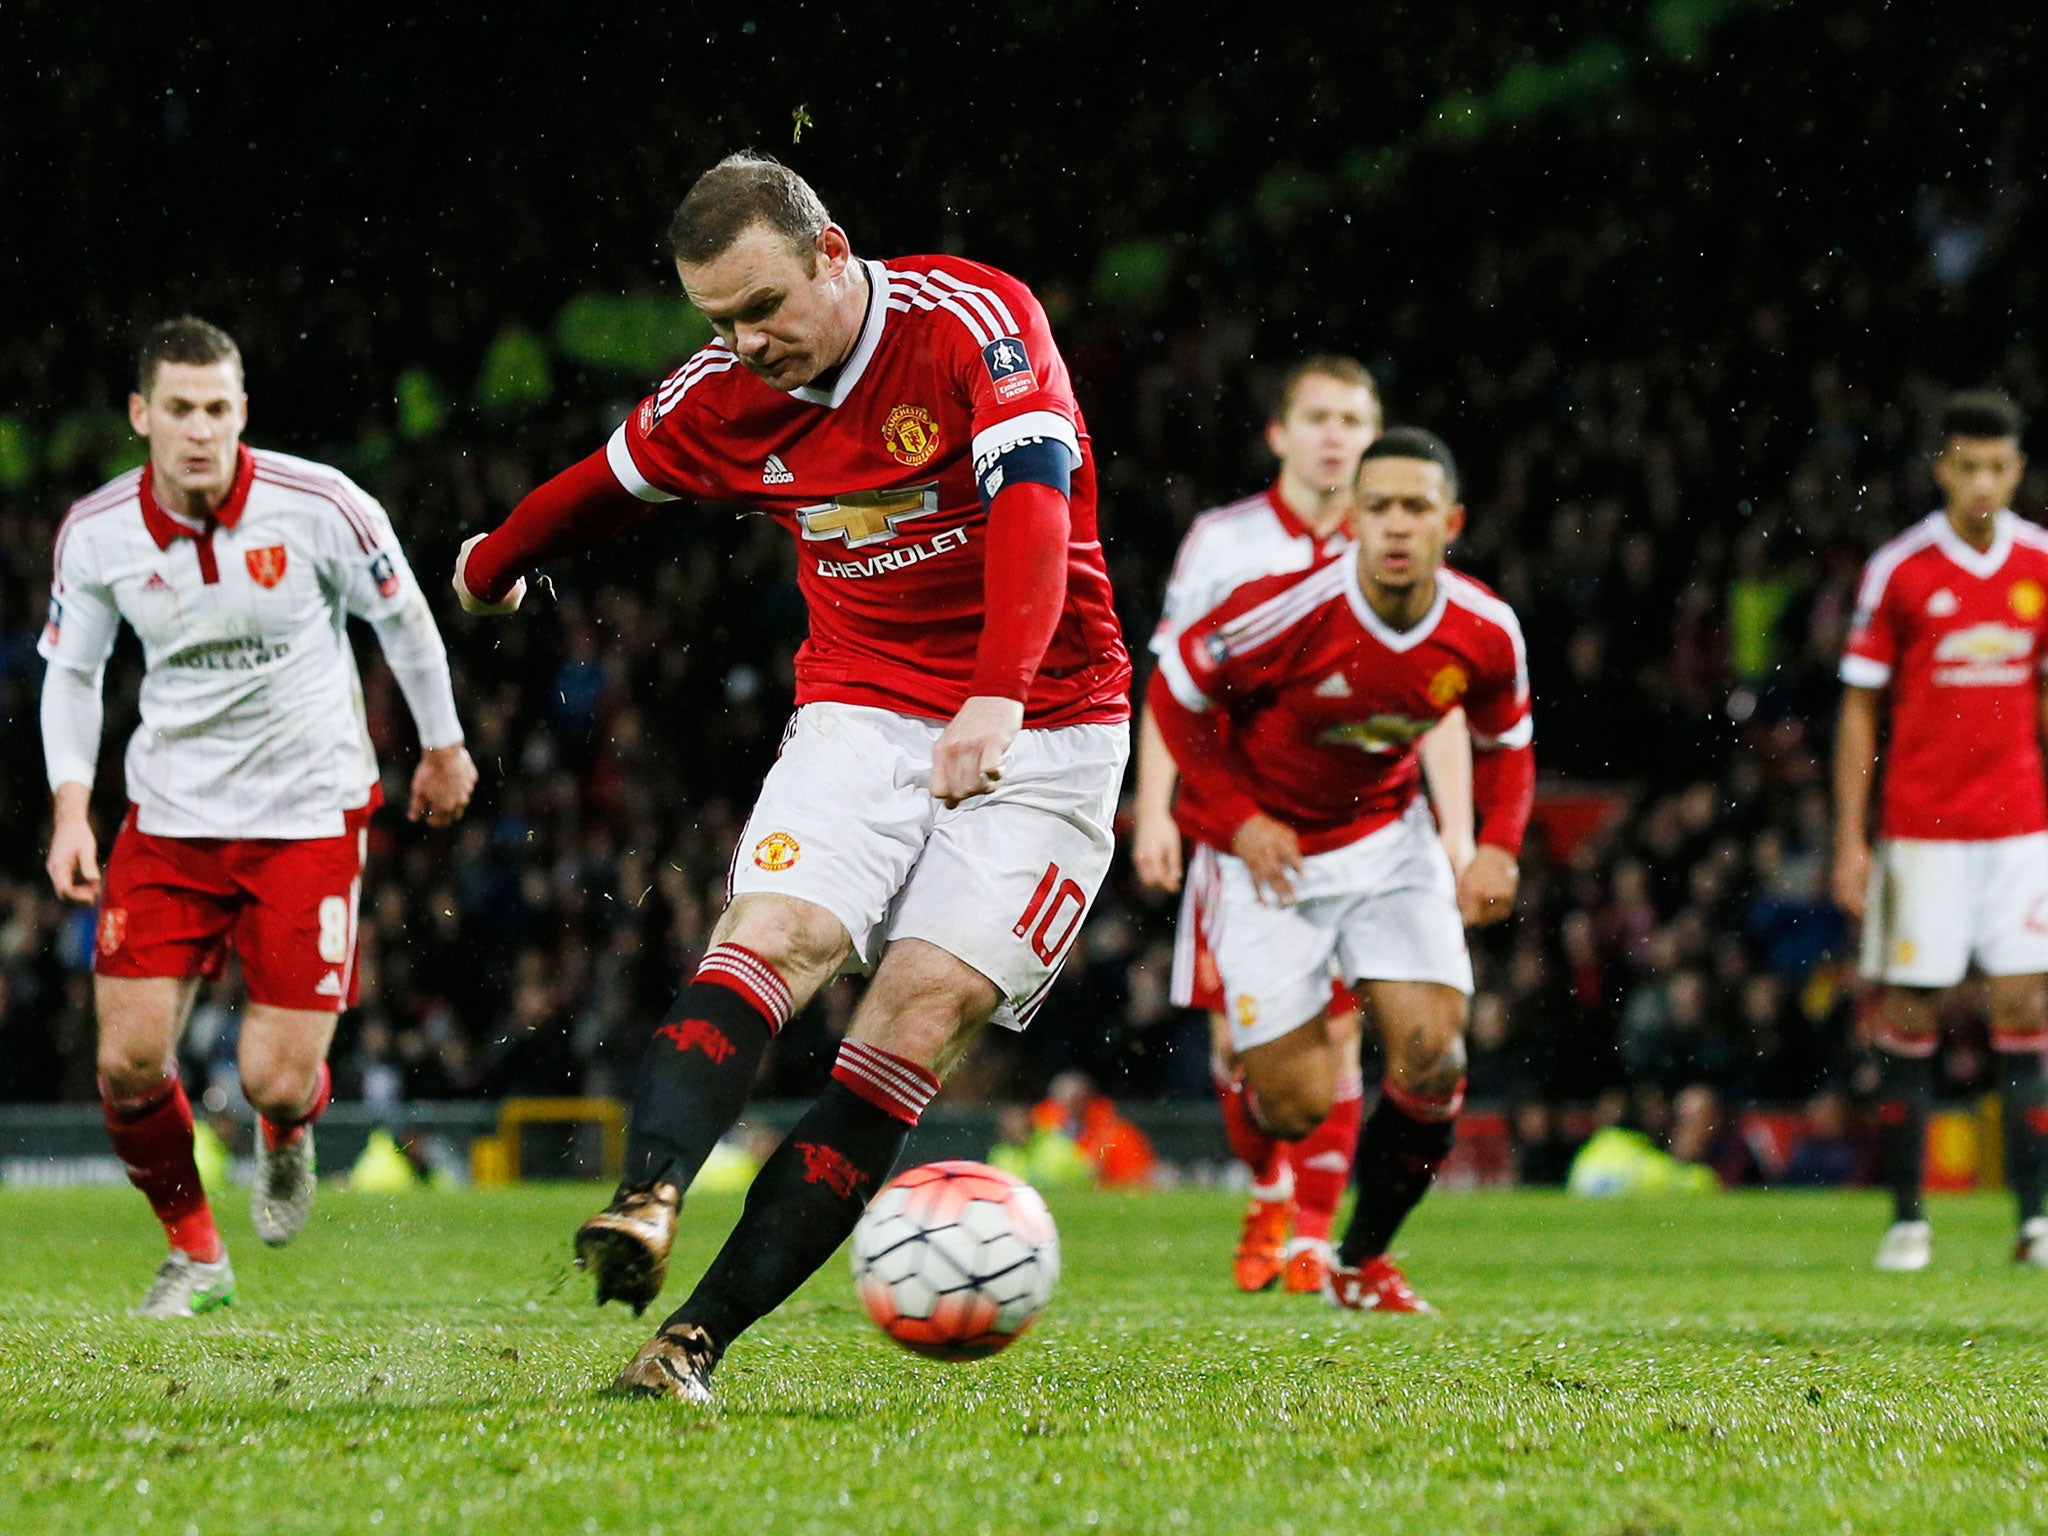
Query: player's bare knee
point(131, 1069)
point(2019, 1008)
point(805, 943)
point(924, 1005)
point(1432, 1067)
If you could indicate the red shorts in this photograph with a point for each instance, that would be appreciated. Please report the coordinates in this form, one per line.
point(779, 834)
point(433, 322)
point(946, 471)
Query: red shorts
point(173, 906)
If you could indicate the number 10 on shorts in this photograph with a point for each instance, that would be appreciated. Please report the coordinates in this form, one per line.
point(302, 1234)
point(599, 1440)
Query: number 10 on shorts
point(1055, 908)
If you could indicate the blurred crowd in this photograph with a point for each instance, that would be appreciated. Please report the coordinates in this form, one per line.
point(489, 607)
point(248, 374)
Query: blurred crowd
point(1687, 341)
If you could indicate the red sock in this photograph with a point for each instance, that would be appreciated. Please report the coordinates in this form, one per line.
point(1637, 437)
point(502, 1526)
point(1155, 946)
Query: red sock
point(1322, 1160)
point(153, 1138)
point(282, 1133)
point(1254, 1148)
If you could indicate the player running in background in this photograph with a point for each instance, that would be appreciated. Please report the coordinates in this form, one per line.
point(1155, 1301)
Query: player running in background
point(1297, 706)
point(251, 776)
point(941, 809)
point(1947, 641)
point(1325, 413)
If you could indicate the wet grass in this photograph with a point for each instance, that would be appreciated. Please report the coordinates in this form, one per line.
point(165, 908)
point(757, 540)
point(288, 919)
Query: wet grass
point(416, 1364)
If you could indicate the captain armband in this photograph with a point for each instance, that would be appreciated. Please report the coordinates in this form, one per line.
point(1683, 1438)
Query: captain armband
point(1036, 460)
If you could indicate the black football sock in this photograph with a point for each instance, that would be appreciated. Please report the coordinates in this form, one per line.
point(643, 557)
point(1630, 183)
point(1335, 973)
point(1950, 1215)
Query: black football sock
point(1905, 1089)
point(700, 1064)
point(808, 1195)
point(1405, 1137)
point(2023, 1086)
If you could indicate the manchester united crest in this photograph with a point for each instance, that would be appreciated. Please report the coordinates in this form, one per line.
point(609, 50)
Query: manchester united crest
point(1448, 686)
point(2026, 599)
point(266, 565)
point(910, 435)
point(776, 852)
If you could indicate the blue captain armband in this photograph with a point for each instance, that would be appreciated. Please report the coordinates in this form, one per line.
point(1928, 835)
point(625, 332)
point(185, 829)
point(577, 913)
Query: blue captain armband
point(1037, 460)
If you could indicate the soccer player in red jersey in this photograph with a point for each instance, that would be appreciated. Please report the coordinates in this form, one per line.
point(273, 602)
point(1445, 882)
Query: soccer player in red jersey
point(941, 810)
point(251, 776)
point(1297, 705)
point(1948, 640)
point(1325, 412)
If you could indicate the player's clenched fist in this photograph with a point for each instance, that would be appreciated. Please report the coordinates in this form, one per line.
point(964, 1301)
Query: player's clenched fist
point(471, 602)
point(441, 786)
point(1272, 852)
point(1486, 891)
point(968, 759)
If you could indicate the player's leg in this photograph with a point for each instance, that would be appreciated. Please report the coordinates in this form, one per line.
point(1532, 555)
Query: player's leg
point(1321, 1160)
point(1404, 933)
point(1195, 983)
point(2012, 949)
point(296, 936)
point(282, 1057)
point(2019, 1036)
point(986, 915)
point(811, 882)
point(913, 1025)
point(1915, 942)
point(149, 1121)
point(1407, 1135)
point(164, 919)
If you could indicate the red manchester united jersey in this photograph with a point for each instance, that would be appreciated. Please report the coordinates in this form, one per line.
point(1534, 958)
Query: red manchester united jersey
point(1955, 636)
point(874, 471)
point(1326, 701)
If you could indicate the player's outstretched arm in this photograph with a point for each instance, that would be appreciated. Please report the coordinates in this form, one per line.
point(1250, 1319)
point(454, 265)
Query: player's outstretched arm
point(1855, 764)
point(577, 510)
point(74, 862)
point(1155, 850)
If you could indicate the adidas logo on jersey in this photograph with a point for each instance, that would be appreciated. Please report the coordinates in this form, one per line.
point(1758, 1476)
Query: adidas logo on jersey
point(1335, 686)
point(156, 583)
point(329, 985)
point(775, 472)
point(1943, 604)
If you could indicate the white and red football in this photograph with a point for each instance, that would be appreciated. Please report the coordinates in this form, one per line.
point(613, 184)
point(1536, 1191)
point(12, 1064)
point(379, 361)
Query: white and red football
point(955, 1260)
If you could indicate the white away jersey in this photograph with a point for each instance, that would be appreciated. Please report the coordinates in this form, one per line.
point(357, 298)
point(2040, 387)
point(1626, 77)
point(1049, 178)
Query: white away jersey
point(252, 712)
point(1231, 546)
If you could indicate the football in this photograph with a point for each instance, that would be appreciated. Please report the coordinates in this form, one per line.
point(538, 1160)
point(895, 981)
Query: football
point(955, 1260)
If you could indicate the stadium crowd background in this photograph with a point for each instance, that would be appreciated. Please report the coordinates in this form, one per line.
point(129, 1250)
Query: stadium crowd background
point(1683, 293)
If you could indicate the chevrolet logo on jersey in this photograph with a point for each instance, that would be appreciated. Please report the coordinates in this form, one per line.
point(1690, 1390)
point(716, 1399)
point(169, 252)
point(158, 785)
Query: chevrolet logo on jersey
point(867, 517)
point(1382, 733)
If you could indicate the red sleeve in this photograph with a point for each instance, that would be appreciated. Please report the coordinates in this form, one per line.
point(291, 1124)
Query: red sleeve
point(1503, 794)
point(1024, 586)
point(1015, 380)
point(1873, 645)
point(577, 510)
point(1196, 740)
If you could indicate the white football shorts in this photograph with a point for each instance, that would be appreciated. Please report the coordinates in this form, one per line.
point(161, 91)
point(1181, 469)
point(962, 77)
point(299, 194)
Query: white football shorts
point(1384, 908)
point(846, 820)
point(1934, 906)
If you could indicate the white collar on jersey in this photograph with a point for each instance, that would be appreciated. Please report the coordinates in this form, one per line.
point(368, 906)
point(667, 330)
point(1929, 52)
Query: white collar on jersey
point(1396, 640)
point(863, 352)
point(1982, 564)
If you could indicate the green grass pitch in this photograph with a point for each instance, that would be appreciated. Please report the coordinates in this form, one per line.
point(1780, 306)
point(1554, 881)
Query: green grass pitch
point(421, 1364)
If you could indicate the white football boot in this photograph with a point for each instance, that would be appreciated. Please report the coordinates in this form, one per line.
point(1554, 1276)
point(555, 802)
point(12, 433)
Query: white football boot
point(1907, 1245)
point(2032, 1247)
point(281, 1196)
point(184, 1287)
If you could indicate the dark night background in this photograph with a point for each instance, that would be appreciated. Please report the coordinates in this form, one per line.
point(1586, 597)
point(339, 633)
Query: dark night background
point(1682, 283)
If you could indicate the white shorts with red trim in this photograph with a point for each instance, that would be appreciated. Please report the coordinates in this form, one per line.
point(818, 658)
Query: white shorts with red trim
point(1195, 982)
point(846, 820)
point(1934, 907)
point(1384, 908)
